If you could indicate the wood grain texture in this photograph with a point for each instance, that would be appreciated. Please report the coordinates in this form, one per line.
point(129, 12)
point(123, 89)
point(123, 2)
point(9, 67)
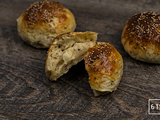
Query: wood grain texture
point(26, 93)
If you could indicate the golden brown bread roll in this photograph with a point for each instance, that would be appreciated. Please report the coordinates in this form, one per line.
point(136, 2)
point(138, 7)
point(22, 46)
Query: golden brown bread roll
point(104, 65)
point(141, 37)
point(67, 50)
point(43, 21)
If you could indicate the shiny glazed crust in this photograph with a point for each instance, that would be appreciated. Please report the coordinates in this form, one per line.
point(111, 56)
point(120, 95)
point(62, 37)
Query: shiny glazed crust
point(104, 65)
point(43, 21)
point(141, 37)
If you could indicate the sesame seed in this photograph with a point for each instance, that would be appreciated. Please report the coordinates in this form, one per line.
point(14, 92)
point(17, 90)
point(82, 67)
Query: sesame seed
point(144, 25)
point(41, 11)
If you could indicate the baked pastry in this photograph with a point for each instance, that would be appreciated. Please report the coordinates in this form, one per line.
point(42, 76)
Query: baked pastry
point(67, 50)
point(43, 21)
point(141, 37)
point(104, 65)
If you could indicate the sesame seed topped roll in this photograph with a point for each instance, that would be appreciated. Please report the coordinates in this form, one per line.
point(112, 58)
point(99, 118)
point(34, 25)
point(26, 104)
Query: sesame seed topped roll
point(141, 37)
point(43, 21)
point(104, 65)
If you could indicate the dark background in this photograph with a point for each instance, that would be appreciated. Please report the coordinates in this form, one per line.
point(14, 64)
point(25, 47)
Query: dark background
point(26, 93)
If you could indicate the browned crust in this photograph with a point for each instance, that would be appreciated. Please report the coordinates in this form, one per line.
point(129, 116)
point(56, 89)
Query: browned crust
point(143, 30)
point(102, 60)
point(43, 12)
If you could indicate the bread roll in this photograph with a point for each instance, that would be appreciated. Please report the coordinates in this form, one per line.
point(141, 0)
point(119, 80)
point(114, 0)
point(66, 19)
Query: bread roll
point(104, 65)
point(43, 21)
point(141, 37)
point(67, 50)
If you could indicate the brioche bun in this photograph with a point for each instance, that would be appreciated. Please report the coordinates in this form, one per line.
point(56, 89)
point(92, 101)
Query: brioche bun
point(43, 21)
point(141, 37)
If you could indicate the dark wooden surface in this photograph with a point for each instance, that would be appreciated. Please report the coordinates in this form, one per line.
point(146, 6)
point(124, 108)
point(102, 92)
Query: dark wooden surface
point(26, 93)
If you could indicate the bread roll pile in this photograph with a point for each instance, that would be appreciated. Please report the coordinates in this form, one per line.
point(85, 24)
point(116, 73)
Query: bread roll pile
point(48, 24)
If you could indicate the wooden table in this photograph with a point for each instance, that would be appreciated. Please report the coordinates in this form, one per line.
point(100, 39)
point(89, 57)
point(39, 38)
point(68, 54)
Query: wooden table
point(26, 93)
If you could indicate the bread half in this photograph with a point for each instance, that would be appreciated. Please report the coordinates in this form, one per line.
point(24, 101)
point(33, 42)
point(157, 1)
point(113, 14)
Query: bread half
point(67, 50)
point(104, 65)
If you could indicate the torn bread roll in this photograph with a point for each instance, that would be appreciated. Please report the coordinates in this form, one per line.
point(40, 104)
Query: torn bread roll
point(67, 50)
point(141, 37)
point(104, 65)
point(43, 21)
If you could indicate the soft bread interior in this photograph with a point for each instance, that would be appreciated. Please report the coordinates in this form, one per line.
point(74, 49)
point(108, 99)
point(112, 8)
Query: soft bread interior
point(66, 51)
